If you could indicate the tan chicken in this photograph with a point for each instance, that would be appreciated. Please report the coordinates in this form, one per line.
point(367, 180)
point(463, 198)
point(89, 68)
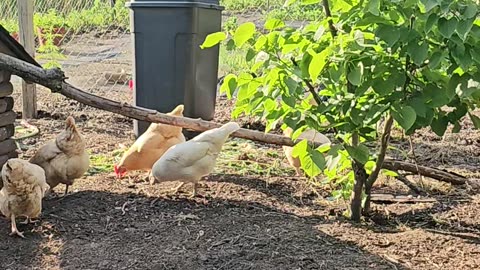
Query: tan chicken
point(64, 158)
point(150, 146)
point(309, 134)
point(24, 186)
point(188, 162)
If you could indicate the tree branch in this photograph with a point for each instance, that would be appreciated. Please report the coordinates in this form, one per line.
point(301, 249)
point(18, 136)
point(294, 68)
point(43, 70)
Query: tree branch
point(383, 150)
point(328, 13)
point(54, 80)
point(310, 87)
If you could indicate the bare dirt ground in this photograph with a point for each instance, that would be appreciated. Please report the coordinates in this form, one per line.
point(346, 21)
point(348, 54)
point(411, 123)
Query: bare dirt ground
point(243, 218)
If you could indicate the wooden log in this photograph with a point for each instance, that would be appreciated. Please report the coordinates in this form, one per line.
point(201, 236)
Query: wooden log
point(442, 175)
point(6, 89)
point(6, 104)
point(27, 39)
point(7, 118)
point(3, 160)
point(390, 198)
point(54, 79)
point(4, 76)
point(7, 132)
point(7, 146)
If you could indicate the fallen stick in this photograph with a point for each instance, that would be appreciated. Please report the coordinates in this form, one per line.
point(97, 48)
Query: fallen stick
point(390, 198)
point(54, 79)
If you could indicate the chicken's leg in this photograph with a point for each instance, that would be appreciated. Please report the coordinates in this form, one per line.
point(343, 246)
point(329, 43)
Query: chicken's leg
point(194, 193)
point(175, 190)
point(298, 172)
point(28, 220)
point(15, 231)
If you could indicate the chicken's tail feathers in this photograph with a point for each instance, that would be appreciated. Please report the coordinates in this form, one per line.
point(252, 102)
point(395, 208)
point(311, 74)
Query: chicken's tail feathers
point(178, 111)
point(70, 124)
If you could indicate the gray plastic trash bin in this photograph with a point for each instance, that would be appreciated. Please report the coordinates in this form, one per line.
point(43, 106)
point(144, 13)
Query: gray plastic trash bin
point(169, 68)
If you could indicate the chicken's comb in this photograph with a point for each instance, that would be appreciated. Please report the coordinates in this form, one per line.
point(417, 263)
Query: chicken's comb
point(115, 169)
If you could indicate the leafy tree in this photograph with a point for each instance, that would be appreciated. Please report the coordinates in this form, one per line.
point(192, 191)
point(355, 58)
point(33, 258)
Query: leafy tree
point(413, 62)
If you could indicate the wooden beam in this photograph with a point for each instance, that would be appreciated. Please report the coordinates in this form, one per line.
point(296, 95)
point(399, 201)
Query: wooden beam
point(6, 104)
point(7, 118)
point(7, 132)
point(7, 146)
point(6, 89)
point(27, 39)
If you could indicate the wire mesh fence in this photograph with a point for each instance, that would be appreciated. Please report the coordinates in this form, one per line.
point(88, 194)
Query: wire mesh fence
point(90, 39)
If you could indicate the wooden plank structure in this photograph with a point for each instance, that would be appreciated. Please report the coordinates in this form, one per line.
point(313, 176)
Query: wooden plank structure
point(8, 45)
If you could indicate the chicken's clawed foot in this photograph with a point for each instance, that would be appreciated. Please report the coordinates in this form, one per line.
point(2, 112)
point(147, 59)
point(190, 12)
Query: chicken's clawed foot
point(175, 190)
point(15, 231)
point(194, 193)
point(28, 220)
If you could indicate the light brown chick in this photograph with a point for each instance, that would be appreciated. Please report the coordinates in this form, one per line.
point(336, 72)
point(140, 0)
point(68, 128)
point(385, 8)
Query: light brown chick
point(24, 186)
point(150, 146)
point(309, 134)
point(64, 158)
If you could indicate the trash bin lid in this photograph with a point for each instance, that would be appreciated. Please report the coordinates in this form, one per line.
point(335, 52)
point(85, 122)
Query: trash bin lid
point(174, 3)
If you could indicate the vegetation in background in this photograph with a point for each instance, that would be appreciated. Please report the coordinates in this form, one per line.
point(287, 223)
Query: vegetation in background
point(411, 62)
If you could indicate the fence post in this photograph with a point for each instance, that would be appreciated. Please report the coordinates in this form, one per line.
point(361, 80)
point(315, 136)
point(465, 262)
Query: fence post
point(27, 39)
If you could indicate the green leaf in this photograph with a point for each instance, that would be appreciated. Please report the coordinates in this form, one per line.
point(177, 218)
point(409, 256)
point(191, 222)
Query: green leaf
point(464, 27)
point(418, 52)
point(229, 85)
point(355, 74)
point(373, 7)
point(431, 21)
point(300, 149)
point(388, 33)
point(243, 33)
point(470, 10)
point(317, 64)
point(405, 117)
point(213, 39)
point(309, 2)
point(418, 104)
point(383, 87)
point(272, 24)
point(250, 54)
point(475, 120)
point(430, 4)
point(435, 59)
point(439, 125)
point(447, 27)
point(359, 153)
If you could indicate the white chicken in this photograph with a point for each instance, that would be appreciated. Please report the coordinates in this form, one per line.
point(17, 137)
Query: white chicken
point(188, 162)
point(24, 186)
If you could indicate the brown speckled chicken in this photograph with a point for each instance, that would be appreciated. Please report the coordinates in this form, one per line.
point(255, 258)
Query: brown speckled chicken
point(64, 158)
point(24, 186)
point(150, 146)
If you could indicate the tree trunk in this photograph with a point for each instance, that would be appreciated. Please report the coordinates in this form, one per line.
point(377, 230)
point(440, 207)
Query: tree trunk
point(356, 199)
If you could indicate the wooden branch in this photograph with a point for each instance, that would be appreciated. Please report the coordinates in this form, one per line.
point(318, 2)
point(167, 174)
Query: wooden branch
point(54, 79)
point(441, 175)
point(328, 13)
point(6, 89)
point(389, 198)
point(410, 185)
point(383, 150)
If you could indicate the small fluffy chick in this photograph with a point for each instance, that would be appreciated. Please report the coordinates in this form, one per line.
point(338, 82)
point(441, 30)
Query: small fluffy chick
point(64, 158)
point(150, 146)
point(24, 186)
point(188, 162)
point(309, 134)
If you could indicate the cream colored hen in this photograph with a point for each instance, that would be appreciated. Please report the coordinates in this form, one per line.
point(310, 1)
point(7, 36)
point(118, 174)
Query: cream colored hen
point(24, 186)
point(309, 134)
point(188, 162)
point(64, 158)
point(150, 146)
